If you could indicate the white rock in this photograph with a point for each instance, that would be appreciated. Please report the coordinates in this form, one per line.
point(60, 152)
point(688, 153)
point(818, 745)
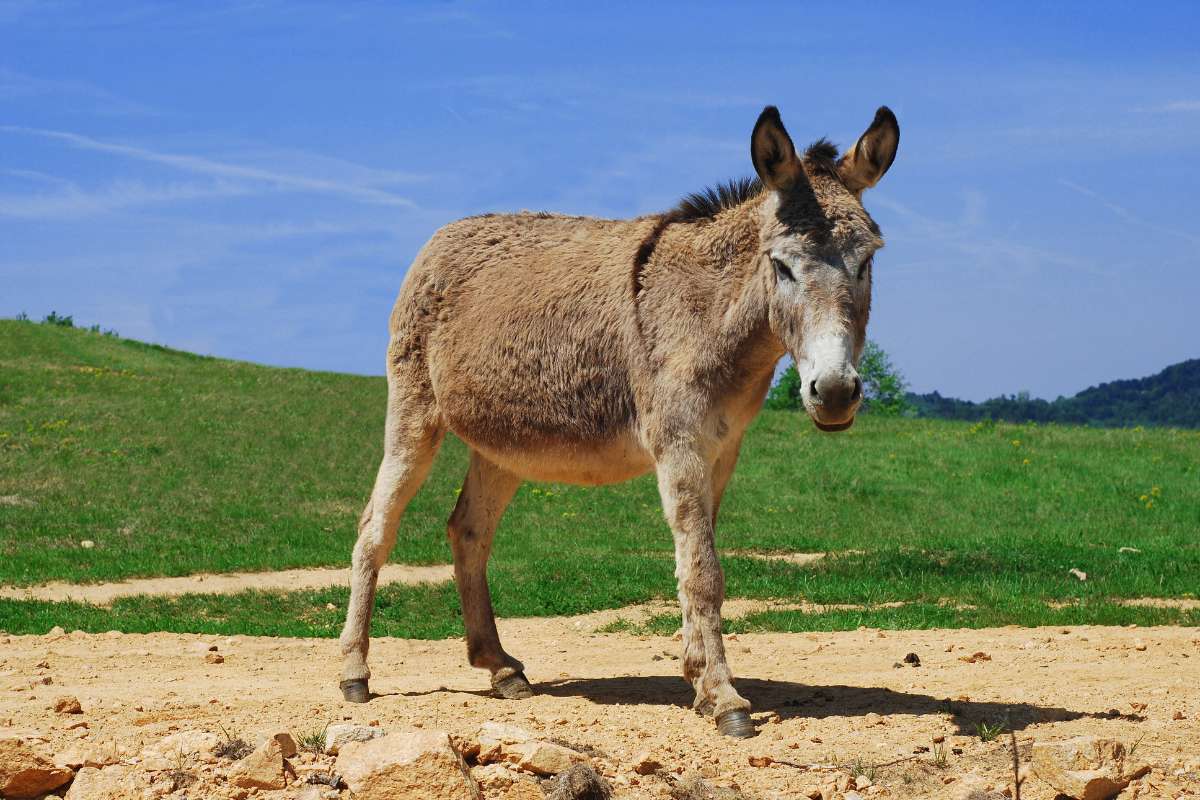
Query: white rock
point(336, 736)
point(178, 748)
point(110, 783)
point(262, 769)
point(406, 766)
point(1086, 768)
point(543, 758)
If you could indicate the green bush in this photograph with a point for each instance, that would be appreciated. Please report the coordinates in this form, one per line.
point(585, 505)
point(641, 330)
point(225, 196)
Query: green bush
point(884, 386)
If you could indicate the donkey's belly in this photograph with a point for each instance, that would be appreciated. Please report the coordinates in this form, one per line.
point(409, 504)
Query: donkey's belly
point(585, 463)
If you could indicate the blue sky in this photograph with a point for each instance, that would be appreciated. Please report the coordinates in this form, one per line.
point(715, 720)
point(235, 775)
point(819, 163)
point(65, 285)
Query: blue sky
point(251, 179)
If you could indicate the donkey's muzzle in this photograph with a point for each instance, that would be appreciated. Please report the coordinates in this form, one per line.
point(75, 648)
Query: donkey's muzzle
point(833, 398)
point(833, 428)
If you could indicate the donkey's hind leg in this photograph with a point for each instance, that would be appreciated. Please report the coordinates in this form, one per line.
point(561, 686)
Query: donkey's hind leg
point(485, 494)
point(411, 439)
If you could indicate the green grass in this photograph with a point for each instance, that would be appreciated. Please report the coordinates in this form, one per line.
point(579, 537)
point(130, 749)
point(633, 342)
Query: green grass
point(173, 463)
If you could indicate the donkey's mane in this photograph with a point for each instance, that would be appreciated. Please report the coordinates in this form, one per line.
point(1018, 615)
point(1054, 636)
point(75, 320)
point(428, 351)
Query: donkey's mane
point(710, 201)
point(820, 156)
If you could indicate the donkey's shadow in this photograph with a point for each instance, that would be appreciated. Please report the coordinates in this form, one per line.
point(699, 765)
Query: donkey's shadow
point(798, 700)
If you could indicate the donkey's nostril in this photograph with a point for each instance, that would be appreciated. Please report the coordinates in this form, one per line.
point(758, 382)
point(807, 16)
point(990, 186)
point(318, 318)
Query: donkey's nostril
point(812, 390)
point(854, 398)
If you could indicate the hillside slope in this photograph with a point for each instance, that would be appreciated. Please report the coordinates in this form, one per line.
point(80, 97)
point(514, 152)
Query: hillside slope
point(120, 459)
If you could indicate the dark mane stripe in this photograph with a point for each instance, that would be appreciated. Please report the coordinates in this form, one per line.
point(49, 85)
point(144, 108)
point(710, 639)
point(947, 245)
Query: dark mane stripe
point(709, 202)
point(821, 156)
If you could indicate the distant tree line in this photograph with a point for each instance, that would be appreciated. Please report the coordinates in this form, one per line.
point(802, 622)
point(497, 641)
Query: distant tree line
point(1170, 398)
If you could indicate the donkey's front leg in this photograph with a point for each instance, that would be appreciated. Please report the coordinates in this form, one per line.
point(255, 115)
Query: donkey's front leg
point(685, 484)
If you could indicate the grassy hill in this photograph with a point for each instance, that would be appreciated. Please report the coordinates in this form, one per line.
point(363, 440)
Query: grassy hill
point(1170, 397)
point(171, 463)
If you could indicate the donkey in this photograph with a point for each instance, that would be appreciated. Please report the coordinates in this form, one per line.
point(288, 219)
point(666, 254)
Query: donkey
point(591, 351)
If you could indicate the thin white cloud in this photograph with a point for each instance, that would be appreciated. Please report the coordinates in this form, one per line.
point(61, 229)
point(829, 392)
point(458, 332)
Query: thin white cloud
point(36, 177)
point(218, 169)
point(1174, 107)
point(73, 202)
point(983, 251)
point(1126, 214)
point(14, 85)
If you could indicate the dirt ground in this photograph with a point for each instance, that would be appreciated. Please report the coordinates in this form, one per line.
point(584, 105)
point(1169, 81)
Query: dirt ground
point(224, 583)
point(820, 699)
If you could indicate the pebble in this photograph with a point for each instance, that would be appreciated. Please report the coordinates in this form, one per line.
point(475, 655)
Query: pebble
point(67, 704)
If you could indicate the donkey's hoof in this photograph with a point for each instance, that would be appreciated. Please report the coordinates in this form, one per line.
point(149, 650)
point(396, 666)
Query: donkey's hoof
point(736, 723)
point(513, 687)
point(355, 691)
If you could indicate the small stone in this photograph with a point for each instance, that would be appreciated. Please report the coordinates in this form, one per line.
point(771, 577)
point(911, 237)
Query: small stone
point(493, 778)
point(975, 787)
point(1139, 646)
point(543, 758)
point(1086, 768)
point(214, 658)
point(341, 734)
point(761, 761)
point(87, 544)
point(644, 763)
point(167, 752)
point(76, 757)
point(913, 659)
point(24, 772)
point(67, 704)
point(286, 743)
point(262, 769)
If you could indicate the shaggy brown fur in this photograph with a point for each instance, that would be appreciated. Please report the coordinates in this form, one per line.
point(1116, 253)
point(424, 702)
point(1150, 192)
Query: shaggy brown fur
point(523, 335)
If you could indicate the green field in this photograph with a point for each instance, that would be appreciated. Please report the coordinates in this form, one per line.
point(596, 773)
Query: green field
point(173, 463)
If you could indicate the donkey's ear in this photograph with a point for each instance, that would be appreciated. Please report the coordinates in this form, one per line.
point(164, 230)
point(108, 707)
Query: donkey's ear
point(864, 164)
point(773, 153)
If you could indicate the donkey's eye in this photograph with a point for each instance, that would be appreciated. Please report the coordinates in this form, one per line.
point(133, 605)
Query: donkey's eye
point(782, 269)
point(863, 267)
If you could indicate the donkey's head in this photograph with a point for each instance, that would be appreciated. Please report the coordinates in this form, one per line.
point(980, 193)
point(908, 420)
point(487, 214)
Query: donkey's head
point(817, 246)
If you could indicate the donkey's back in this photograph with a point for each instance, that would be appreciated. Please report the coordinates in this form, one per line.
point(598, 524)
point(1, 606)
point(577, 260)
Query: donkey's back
point(522, 324)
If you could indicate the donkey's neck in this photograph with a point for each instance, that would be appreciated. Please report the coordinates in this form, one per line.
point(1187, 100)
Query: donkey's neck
point(731, 245)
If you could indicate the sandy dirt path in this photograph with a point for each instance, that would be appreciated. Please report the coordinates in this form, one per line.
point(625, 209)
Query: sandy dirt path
point(103, 594)
point(818, 698)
